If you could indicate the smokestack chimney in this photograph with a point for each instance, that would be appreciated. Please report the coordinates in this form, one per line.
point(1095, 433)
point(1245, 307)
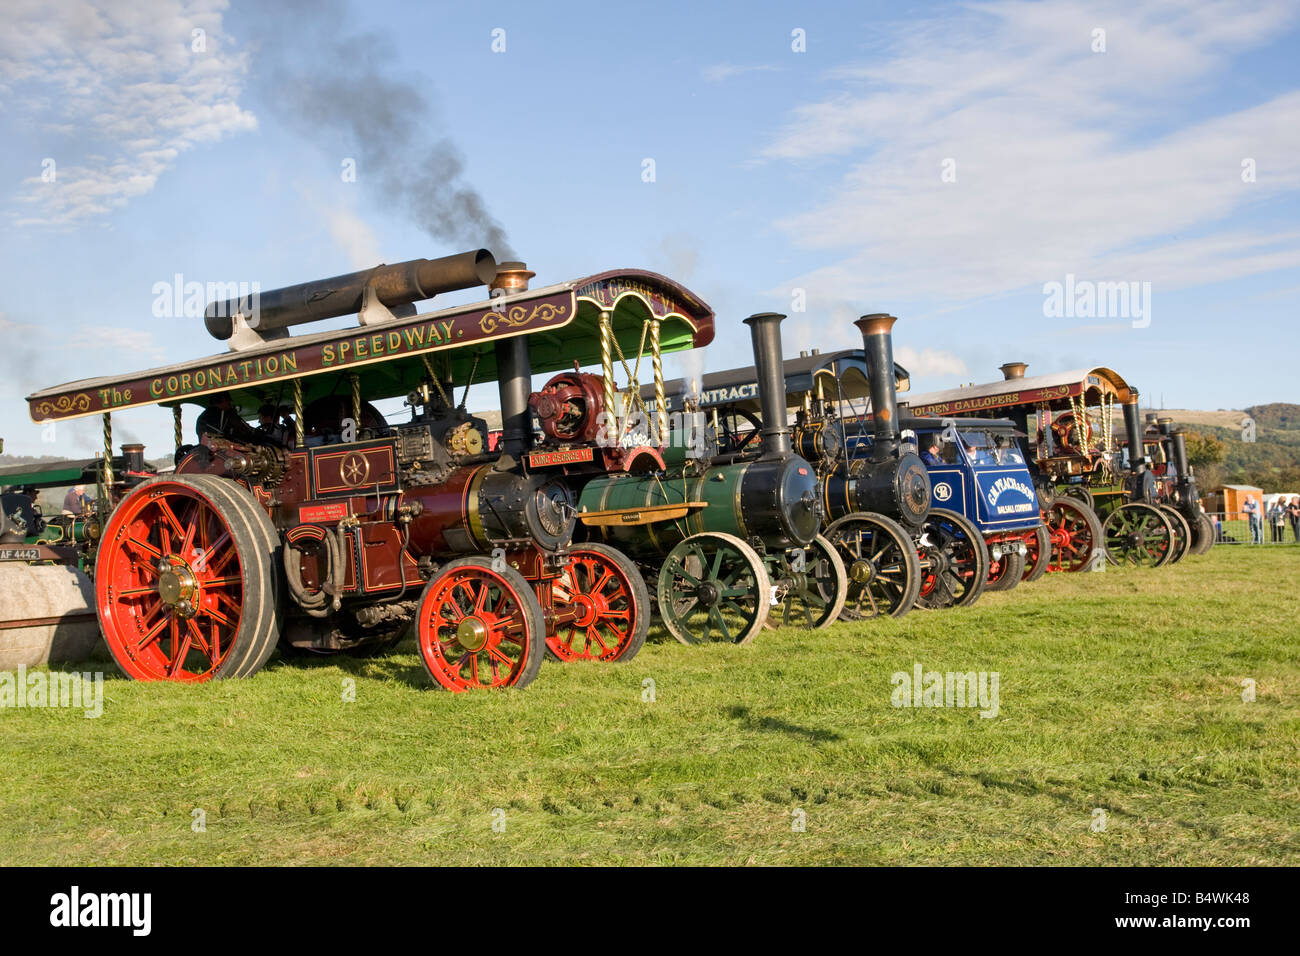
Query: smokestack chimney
point(878, 346)
point(1179, 441)
point(134, 455)
point(1013, 370)
point(765, 331)
point(1134, 430)
point(514, 370)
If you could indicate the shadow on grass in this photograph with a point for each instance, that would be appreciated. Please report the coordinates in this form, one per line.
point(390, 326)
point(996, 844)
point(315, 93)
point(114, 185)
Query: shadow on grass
point(778, 725)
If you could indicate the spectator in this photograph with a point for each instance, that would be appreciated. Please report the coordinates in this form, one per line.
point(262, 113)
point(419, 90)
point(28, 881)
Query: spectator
point(931, 454)
point(1277, 520)
point(1293, 512)
point(1251, 510)
point(75, 501)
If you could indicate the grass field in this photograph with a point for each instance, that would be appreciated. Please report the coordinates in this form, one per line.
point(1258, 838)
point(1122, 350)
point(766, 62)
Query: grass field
point(1119, 691)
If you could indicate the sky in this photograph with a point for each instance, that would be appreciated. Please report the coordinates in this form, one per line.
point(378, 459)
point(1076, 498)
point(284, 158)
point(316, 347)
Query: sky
point(952, 164)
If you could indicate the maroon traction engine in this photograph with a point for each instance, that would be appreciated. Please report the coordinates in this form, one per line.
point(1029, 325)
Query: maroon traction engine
point(329, 529)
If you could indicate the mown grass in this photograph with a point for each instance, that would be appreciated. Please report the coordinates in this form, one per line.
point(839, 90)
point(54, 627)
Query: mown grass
point(1120, 691)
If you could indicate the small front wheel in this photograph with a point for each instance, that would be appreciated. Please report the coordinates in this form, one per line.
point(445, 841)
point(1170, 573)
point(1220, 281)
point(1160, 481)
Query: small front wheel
point(610, 604)
point(713, 587)
point(811, 589)
point(480, 627)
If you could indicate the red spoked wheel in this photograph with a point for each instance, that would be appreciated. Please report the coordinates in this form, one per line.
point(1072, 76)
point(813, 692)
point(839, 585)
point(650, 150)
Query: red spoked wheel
point(1007, 569)
point(611, 602)
point(1076, 534)
point(184, 581)
point(1039, 545)
point(480, 627)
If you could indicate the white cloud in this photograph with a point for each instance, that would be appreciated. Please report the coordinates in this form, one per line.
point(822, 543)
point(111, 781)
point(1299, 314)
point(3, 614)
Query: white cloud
point(928, 363)
point(123, 82)
point(1066, 160)
point(725, 71)
point(139, 343)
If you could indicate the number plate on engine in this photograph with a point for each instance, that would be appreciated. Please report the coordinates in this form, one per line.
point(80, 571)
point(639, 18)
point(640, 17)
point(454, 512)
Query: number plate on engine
point(19, 554)
point(568, 456)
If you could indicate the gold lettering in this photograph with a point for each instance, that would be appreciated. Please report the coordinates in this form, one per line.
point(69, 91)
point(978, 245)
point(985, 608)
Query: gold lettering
point(327, 355)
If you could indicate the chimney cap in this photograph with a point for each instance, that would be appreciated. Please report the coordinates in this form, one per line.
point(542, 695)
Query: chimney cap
point(1012, 370)
point(876, 323)
point(512, 276)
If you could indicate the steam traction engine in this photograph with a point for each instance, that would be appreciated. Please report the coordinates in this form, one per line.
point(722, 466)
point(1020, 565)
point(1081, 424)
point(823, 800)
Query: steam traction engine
point(727, 533)
point(1067, 440)
point(340, 536)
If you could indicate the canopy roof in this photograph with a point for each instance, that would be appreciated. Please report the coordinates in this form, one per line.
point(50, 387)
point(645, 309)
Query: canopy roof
point(50, 474)
point(1055, 390)
point(561, 322)
point(739, 386)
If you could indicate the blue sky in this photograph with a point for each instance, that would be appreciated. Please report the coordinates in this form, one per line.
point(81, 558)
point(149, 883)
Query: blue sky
point(938, 161)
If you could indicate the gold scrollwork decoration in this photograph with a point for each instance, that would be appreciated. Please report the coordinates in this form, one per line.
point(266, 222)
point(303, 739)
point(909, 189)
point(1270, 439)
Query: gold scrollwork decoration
point(518, 315)
point(65, 404)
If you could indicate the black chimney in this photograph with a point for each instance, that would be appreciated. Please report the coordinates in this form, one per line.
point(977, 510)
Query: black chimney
point(1133, 427)
point(514, 369)
point(878, 348)
point(765, 330)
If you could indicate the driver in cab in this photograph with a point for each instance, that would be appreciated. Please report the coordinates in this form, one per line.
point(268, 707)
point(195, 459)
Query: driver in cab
point(221, 420)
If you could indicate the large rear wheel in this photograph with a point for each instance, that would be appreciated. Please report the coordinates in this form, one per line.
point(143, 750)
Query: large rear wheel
point(954, 561)
point(480, 627)
point(609, 596)
point(185, 581)
point(713, 587)
point(884, 573)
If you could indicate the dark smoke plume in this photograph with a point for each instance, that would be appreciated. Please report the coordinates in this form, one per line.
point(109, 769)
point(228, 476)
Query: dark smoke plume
point(340, 91)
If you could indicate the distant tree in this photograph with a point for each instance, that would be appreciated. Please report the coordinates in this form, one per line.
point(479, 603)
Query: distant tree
point(1205, 449)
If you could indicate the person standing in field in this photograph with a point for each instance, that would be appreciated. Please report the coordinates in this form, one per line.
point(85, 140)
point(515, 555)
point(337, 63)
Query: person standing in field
point(1250, 508)
point(1293, 513)
point(1277, 520)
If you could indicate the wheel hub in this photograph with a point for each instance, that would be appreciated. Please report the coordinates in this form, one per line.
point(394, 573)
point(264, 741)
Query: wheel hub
point(586, 610)
point(862, 571)
point(472, 634)
point(176, 586)
point(708, 594)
